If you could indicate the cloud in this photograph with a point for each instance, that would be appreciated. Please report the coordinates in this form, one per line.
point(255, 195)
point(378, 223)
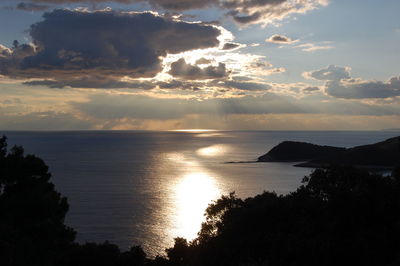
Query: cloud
point(191, 78)
point(205, 89)
point(179, 5)
point(113, 49)
point(247, 86)
point(232, 46)
point(257, 68)
point(306, 47)
point(4, 51)
point(268, 11)
point(281, 39)
point(11, 101)
point(309, 90)
point(175, 5)
point(204, 61)
point(216, 85)
point(339, 84)
point(48, 120)
point(92, 82)
point(136, 106)
point(332, 72)
point(187, 71)
point(31, 7)
point(107, 106)
point(361, 89)
point(71, 44)
point(75, 109)
point(242, 11)
point(312, 47)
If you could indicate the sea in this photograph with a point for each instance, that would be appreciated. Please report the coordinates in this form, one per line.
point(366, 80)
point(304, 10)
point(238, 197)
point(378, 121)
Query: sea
point(147, 188)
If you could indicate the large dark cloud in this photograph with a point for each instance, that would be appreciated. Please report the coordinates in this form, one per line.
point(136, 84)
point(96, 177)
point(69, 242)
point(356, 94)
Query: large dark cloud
point(242, 11)
point(339, 84)
point(70, 44)
point(187, 71)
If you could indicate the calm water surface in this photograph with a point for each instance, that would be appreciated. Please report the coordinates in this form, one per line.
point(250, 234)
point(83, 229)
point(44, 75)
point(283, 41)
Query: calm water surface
point(146, 188)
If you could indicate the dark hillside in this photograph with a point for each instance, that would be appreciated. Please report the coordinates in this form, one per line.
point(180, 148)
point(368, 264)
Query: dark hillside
point(385, 154)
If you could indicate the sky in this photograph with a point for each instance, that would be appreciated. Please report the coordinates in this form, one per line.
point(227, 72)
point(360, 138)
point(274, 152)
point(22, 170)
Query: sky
point(212, 64)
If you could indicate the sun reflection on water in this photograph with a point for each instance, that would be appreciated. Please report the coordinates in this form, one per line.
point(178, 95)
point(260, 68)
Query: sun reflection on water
point(193, 193)
point(213, 150)
point(194, 130)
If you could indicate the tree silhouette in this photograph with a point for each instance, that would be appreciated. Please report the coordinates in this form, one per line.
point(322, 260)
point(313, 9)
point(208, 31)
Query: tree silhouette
point(32, 230)
point(179, 252)
point(339, 216)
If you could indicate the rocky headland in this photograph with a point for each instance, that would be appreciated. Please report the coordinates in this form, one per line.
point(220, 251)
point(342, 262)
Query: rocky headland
point(385, 154)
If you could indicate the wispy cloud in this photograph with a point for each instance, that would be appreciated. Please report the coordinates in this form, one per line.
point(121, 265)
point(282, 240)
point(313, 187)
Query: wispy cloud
point(312, 47)
point(285, 41)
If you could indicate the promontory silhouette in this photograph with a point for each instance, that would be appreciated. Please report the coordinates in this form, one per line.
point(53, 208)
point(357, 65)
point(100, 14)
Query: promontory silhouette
point(385, 154)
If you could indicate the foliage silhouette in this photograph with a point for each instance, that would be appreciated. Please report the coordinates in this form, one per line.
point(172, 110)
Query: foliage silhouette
point(105, 254)
point(32, 229)
point(339, 216)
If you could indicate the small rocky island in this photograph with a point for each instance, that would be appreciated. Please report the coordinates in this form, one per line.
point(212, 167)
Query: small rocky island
point(381, 155)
